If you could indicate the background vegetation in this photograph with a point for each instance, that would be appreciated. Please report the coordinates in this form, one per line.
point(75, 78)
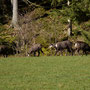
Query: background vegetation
point(45, 22)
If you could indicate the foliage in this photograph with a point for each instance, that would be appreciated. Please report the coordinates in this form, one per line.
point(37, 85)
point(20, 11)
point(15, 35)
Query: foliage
point(41, 23)
point(77, 10)
point(5, 11)
point(6, 35)
point(2, 28)
point(56, 3)
point(86, 36)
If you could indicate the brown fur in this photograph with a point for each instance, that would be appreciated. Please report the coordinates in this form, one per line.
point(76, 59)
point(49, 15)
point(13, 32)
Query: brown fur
point(80, 45)
point(36, 48)
point(60, 46)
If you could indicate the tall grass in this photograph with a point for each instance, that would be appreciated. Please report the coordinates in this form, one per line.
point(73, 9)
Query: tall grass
point(45, 73)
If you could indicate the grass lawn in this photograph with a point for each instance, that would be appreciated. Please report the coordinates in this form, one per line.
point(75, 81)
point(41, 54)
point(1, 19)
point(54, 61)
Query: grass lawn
point(45, 73)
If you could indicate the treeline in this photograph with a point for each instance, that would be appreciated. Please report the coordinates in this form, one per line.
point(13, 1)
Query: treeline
point(78, 10)
point(44, 22)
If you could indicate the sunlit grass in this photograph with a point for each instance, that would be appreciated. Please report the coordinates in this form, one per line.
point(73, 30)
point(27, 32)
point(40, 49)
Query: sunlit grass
point(45, 73)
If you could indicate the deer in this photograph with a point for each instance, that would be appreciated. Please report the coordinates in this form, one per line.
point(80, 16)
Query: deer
point(35, 48)
point(61, 46)
point(80, 45)
point(6, 50)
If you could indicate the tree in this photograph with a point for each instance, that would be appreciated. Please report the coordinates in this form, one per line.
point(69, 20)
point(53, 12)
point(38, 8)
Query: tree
point(15, 13)
point(78, 10)
point(74, 9)
point(69, 27)
point(56, 3)
point(70, 22)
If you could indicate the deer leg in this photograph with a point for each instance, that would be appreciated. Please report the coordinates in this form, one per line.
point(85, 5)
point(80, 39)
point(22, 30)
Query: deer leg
point(61, 53)
point(65, 52)
point(4, 56)
point(38, 53)
point(78, 51)
point(84, 52)
point(42, 52)
point(56, 52)
point(70, 51)
point(34, 53)
point(75, 51)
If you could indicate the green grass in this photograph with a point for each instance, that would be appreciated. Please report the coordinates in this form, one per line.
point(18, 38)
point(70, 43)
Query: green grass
point(45, 73)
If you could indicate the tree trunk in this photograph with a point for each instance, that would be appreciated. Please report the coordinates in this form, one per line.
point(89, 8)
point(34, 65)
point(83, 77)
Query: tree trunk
point(15, 13)
point(69, 27)
point(69, 32)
